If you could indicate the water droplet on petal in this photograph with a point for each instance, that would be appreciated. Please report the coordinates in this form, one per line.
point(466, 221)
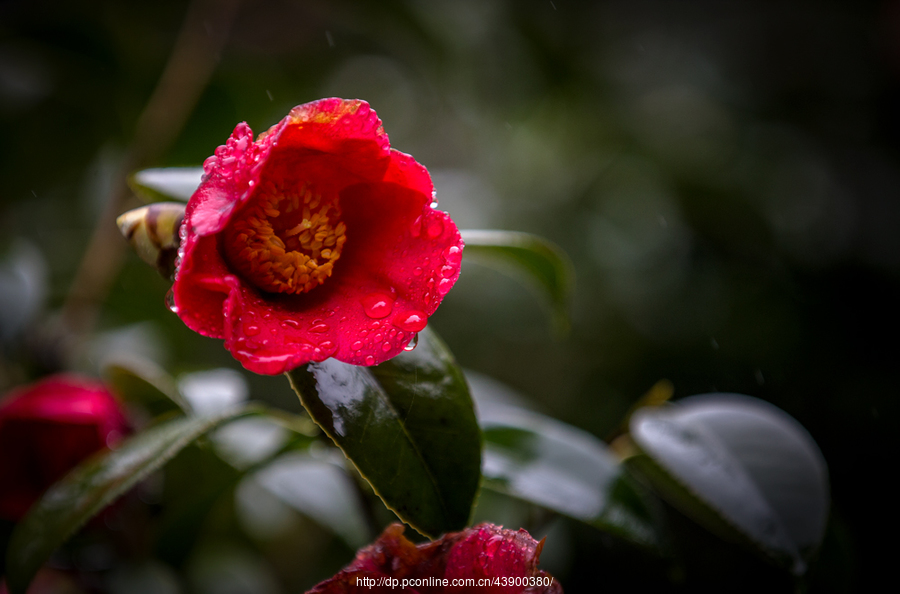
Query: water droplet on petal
point(453, 255)
point(319, 328)
point(386, 346)
point(417, 271)
point(444, 286)
point(356, 345)
point(377, 305)
point(378, 337)
point(251, 330)
point(412, 343)
point(410, 321)
point(291, 323)
point(370, 360)
point(170, 301)
point(434, 227)
point(416, 228)
point(324, 350)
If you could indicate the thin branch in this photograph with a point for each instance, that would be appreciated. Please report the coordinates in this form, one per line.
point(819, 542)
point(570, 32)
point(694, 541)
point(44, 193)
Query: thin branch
point(190, 66)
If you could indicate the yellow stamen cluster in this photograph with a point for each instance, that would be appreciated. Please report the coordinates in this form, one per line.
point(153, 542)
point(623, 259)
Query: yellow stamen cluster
point(287, 239)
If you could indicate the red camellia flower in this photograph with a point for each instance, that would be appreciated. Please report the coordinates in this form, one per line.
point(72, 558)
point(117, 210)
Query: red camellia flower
point(46, 429)
point(486, 559)
point(317, 240)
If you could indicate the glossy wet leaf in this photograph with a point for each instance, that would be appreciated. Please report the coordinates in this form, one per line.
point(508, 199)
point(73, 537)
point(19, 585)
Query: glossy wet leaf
point(531, 257)
point(146, 383)
point(213, 391)
point(248, 442)
point(319, 488)
point(191, 485)
point(409, 427)
point(741, 467)
point(93, 485)
point(201, 476)
point(560, 467)
point(166, 183)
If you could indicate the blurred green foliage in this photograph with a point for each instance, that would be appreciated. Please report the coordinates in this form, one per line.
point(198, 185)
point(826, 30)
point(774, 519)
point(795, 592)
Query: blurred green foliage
point(724, 177)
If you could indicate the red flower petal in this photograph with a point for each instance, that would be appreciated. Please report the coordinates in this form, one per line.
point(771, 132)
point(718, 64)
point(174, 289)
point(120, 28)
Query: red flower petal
point(488, 552)
point(400, 258)
point(48, 428)
point(405, 171)
point(485, 552)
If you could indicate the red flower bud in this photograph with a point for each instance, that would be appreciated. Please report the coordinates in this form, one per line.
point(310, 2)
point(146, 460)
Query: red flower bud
point(46, 429)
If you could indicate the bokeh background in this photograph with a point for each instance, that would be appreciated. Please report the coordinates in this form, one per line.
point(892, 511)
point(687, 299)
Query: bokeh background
point(724, 176)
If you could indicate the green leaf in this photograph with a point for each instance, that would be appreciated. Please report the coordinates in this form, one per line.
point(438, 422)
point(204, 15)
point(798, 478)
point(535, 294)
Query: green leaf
point(146, 383)
point(247, 443)
point(93, 485)
point(166, 183)
point(538, 261)
point(212, 391)
point(409, 427)
point(741, 467)
point(560, 467)
point(200, 476)
point(192, 485)
point(318, 487)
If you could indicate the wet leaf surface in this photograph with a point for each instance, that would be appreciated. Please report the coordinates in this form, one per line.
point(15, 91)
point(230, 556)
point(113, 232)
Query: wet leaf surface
point(741, 467)
point(557, 466)
point(144, 382)
point(93, 485)
point(319, 488)
point(166, 183)
point(409, 427)
point(538, 261)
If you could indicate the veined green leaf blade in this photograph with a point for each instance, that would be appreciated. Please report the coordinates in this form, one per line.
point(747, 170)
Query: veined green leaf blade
point(319, 487)
point(532, 258)
point(408, 426)
point(93, 485)
point(549, 463)
point(146, 383)
point(742, 468)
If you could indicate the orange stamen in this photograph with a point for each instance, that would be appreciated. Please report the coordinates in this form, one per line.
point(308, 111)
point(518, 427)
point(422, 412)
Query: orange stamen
point(287, 239)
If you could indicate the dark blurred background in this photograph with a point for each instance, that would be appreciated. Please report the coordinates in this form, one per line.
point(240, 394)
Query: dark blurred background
point(724, 176)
